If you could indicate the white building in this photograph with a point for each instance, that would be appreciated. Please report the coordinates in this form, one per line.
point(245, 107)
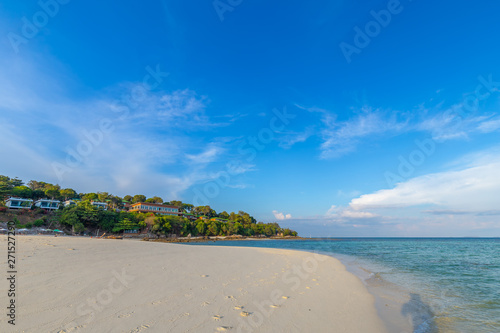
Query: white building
point(101, 205)
point(69, 203)
point(47, 204)
point(19, 203)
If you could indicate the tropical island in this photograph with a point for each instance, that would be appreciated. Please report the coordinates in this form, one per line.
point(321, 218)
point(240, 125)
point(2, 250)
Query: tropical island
point(42, 205)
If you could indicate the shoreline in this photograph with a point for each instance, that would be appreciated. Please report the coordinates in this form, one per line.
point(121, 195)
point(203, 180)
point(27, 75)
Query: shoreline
point(389, 298)
point(104, 285)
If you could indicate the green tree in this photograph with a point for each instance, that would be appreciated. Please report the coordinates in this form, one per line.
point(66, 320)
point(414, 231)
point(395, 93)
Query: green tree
point(212, 229)
point(4, 188)
point(155, 200)
point(68, 193)
point(201, 228)
point(34, 185)
point(7, 184)
point(176, 203)
point(139, 198)
point(52, 192)
point(116, 202)
point(88, 214)
point(90, 197)
point(128, 198)
point(224, 215)
point(22, 192)
point(38, 194)
point(15, 182)
point(186, 208)
point(78, 228)
point(125, 224)
point(163, 225)
point(102, 196)
point(107, 220)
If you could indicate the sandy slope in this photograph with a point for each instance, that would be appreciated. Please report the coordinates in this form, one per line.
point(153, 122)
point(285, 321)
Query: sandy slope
point(68, 284)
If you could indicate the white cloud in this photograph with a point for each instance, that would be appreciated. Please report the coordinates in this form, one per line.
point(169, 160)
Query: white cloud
point(489, 126)
point(341, 137)
point(290, 139)
point(281, 216)
point(475, 186)
point(209, 155)
point(347, 213)
point(147, 151)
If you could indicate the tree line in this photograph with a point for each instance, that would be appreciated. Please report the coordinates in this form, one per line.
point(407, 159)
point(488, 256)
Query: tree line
point(85, 217)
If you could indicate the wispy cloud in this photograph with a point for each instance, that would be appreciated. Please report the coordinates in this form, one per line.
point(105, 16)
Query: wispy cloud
point(368, 124)
point(473, 187)
point(461, 212)
point(209, 155)
point(288, 140)
point(150, 148)
point(347, 213)
point(341, 137)
point(489, 126)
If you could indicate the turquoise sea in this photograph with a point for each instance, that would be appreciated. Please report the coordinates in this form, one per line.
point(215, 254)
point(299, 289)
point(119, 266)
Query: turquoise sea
point(452, 283)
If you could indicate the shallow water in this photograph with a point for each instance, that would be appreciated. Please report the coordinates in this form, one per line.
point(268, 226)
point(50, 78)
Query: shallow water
point(440, 284)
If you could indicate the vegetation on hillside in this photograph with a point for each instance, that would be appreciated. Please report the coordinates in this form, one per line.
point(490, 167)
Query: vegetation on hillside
point(85, 217)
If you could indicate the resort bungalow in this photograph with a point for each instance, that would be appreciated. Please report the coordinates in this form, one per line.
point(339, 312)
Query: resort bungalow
point(18, 203)
point(145, 207)
point(101, 205)
point(68, 203)
point(47, 204)
point(192, 217)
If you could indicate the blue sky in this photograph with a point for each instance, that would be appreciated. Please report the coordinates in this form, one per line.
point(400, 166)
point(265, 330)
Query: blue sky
point(257, 106)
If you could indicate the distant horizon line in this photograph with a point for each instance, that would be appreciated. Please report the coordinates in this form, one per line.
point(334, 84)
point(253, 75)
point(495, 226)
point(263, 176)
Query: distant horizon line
point(396, 237)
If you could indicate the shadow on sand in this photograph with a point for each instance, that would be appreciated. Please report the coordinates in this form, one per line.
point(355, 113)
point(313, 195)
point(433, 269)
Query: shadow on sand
point(421, 315)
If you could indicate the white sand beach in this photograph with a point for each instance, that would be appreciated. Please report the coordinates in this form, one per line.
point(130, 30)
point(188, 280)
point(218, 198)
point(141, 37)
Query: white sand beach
point(70, 284)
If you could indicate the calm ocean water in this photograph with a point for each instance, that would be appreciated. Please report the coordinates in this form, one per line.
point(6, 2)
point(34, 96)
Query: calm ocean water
point(456, 282)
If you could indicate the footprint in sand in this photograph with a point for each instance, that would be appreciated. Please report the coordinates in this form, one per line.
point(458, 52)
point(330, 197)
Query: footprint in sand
point(245, 314)
point(308, 287)
point(238, 307)
point(71, 329)
point(205, 303)
point(274, 306)
point(285, 297)
point(217, 317)
point(156, 302)
point(223, 328)
point(126, 315)
point(205, 276)
point(139, 329)
point(230, 297)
